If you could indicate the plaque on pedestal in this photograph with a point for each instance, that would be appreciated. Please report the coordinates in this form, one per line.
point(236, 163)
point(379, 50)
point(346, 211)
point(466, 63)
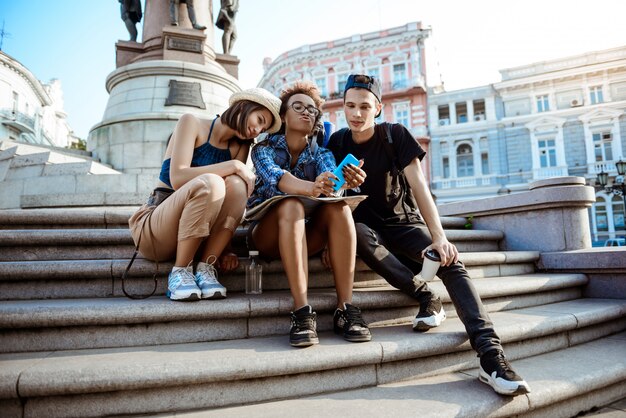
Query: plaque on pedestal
point(183, 93)
point(185, 45)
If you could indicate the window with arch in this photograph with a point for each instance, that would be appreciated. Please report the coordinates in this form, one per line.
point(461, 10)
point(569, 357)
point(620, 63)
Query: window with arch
point(342, 79)
point(399, 76)
point(321, 85)
point(618, 212)
point(464, 161)
point(401, 112)
point(602, 222)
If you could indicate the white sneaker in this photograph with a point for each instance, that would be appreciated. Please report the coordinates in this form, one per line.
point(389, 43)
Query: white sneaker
point(206, 279)
point(181, 285)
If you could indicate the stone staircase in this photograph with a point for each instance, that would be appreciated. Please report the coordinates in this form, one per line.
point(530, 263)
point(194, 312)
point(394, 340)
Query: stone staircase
point(33, 176)
point(72, 345)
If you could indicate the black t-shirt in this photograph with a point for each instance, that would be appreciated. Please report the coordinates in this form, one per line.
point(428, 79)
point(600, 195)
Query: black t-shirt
point(389, 196)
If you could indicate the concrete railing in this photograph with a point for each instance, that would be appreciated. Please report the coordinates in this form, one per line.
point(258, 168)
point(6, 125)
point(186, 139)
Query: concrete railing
point(551, 216)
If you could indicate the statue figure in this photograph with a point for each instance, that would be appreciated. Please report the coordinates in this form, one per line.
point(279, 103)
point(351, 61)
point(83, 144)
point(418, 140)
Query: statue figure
point(226, 22)
point(190, 11)
point(131, 15)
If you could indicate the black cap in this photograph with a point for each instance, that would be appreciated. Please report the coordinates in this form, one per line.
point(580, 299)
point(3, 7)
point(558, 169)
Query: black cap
point(365, 82)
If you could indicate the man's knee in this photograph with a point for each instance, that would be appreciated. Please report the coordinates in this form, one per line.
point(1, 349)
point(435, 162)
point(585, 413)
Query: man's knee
point(363, 232)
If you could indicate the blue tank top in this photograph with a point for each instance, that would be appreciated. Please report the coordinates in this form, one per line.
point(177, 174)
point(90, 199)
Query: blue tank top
point(205, 154)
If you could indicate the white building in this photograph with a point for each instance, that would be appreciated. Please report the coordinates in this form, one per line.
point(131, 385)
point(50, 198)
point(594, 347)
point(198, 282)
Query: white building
point(563, 117)
point(29, 110)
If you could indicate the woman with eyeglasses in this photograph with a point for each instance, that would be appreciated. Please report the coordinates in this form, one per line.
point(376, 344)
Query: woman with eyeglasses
point(291, 163)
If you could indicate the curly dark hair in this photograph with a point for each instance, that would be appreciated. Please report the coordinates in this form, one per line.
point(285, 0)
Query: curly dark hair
point(301, 87)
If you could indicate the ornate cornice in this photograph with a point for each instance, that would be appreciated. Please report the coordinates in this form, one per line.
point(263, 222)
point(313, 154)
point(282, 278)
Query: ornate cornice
point(14, 65)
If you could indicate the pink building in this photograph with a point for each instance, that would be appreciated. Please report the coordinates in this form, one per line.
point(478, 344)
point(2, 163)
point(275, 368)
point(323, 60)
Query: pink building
point(395, 56)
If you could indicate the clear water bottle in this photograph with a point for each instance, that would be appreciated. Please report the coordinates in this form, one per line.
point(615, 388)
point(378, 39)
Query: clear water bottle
point(254, 273)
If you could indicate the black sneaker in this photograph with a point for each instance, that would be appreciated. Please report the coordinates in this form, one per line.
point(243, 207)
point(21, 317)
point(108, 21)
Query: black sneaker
point(431, 315)
point(303, 324)
point(496, 371)
point(349, 323)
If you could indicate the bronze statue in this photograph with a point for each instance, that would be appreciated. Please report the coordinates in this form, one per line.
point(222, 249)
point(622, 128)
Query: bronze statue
point(226, 22)
point(131, 15)
point(190, 11)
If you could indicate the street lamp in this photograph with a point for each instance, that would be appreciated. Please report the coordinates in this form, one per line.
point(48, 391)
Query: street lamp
point(617, 188)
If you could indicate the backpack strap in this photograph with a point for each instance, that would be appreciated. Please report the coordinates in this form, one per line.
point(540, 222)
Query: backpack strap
point(388, 144)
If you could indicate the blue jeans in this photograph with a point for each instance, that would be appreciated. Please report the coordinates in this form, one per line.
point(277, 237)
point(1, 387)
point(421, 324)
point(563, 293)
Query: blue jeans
point(394, 252)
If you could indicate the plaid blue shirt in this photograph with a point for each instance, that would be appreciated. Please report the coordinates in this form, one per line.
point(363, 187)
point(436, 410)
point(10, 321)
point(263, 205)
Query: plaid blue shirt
point(270, 169)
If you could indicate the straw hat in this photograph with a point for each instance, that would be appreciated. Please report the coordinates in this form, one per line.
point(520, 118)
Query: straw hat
point(264, 98)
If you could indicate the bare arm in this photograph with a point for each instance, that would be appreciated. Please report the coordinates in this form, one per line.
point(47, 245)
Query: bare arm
point(290, 184)
point(186, 135)
point(414, 175)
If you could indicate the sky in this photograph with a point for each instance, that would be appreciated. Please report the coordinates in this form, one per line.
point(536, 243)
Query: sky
point(469, 42)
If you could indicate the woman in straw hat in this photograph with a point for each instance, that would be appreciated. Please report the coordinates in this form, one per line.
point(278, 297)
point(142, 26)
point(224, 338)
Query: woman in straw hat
point(201, 194)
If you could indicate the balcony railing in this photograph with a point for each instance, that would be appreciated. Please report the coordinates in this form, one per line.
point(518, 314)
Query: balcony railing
point(548, 172)
point(489, 180)
point(18, 120)
point(600, 166)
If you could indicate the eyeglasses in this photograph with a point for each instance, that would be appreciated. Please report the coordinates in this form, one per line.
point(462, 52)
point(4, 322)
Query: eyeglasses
point(299, 107)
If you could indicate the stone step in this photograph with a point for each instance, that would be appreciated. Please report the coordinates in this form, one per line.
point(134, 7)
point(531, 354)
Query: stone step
point(10, 149)
point(32, 176)
point(105, 217)
point(78, 199)
point(54, 279)
point(178, 377)
point(84, 244)
point(67, 218)
point(37, 325)
point(564, 383)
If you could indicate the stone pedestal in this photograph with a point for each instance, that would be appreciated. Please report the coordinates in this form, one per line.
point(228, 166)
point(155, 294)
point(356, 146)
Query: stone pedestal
point(552, 216)
point(230, 64)
point(146, 100)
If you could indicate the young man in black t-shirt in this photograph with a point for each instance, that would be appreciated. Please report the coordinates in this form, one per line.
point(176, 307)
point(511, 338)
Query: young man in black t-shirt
point(399, 222)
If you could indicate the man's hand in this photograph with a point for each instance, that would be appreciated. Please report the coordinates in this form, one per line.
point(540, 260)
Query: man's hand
point(447, 251)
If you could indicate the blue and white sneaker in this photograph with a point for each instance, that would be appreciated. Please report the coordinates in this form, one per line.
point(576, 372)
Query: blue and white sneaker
point(181, 285)
point(206, 279)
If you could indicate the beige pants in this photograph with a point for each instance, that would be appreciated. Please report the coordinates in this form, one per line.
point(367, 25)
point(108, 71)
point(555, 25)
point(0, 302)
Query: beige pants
point(205, 204)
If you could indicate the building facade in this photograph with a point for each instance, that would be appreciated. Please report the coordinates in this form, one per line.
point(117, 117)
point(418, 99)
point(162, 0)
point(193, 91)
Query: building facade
point(30, 111)
point(395, 56)
point(563, 117)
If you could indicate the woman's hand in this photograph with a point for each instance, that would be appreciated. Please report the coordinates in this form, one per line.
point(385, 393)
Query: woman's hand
point(323, 185)
point(325, 258)
point(227, 262)
point(353, 175)
point(447, 251)
point(246, 174)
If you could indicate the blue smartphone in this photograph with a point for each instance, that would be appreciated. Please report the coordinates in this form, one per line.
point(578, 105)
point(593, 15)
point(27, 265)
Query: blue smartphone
point(350, 159)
